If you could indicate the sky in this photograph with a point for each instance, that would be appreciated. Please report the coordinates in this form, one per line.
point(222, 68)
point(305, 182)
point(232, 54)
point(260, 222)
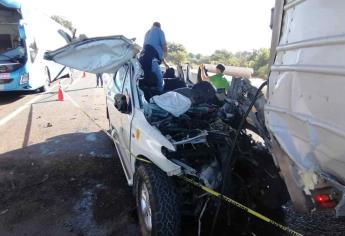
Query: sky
point(201, 26)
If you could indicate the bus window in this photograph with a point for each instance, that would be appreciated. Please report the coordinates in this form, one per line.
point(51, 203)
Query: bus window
point(5, 42)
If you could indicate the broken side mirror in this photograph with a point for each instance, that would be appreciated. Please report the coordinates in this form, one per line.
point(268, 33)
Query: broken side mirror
point(121, 103)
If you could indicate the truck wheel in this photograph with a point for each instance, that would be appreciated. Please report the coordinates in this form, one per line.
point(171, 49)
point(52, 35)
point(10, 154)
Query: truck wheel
point(157, 202)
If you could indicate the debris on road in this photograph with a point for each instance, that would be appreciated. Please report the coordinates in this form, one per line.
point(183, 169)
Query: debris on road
point(48, 125)
point(3, 212)
point(79, 196)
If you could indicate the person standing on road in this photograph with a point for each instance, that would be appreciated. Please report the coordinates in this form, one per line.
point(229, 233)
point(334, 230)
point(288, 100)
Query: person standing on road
point(99, 79)
point(154, 51)
point(218, 80)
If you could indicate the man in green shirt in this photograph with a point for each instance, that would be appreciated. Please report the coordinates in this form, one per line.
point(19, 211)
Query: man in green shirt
point(218, 80)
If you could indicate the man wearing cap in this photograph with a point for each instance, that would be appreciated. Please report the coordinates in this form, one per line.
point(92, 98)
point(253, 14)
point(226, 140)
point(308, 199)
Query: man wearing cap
point(218, 80)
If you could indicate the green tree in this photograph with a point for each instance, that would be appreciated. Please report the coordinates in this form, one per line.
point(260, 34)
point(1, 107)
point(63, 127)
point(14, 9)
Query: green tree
point(177, 53)
point(64, 22)
point(257, 58)
point(222, 56)
point(262, 72)
point(259, 62)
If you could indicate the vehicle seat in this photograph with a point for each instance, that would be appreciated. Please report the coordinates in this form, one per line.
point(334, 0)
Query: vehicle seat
point(148, 89)
point(171, 81)
point(171, 84)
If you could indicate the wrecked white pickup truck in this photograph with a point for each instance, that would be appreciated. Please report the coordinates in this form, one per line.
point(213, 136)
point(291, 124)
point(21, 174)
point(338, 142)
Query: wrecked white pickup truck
point(196, 132)
point(192, 131)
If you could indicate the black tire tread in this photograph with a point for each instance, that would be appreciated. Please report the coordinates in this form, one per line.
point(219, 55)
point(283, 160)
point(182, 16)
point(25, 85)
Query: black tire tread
point(166, 214)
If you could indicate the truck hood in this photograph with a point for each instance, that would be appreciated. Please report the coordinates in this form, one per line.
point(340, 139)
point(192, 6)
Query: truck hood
point(95, 55)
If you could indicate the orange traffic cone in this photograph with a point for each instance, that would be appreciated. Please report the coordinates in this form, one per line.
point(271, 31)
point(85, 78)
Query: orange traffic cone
point(60, 94)
point(84, 75)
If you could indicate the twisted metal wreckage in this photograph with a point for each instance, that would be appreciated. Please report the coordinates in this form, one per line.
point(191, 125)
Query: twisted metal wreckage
point(221, 141)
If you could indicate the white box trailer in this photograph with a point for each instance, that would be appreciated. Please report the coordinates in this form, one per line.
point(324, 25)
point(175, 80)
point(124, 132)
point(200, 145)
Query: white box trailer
point(305, 111)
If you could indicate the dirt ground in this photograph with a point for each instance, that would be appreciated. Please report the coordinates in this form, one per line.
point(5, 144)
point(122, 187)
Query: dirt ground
point(62, 195)
point(59, 174)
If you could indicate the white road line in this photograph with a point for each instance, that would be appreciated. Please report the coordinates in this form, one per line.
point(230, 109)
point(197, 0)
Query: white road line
point(19, 110)
point(71, 100)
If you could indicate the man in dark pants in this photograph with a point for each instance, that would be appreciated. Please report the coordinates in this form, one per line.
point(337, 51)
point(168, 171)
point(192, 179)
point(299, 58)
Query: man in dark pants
point(154, 51)
point(99, 79)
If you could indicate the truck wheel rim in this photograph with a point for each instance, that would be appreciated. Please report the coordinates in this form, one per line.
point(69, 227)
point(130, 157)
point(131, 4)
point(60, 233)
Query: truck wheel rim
point(145, 207)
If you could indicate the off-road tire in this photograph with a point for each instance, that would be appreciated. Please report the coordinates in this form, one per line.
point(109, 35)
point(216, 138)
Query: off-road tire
point(163, 198)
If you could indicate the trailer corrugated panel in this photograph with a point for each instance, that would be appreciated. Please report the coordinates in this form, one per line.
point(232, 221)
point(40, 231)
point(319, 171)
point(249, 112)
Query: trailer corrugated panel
point(306, 97)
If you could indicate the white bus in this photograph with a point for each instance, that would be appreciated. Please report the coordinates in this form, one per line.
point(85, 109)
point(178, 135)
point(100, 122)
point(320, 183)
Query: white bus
point(25, 35)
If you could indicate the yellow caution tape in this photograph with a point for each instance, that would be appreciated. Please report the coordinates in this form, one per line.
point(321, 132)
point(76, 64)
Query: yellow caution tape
point(239, 205)
point(143, 160)
point(234, 203)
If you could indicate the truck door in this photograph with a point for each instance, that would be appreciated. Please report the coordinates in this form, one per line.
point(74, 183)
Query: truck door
point(126, 118)
point(115, 87)
point(121, 119)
